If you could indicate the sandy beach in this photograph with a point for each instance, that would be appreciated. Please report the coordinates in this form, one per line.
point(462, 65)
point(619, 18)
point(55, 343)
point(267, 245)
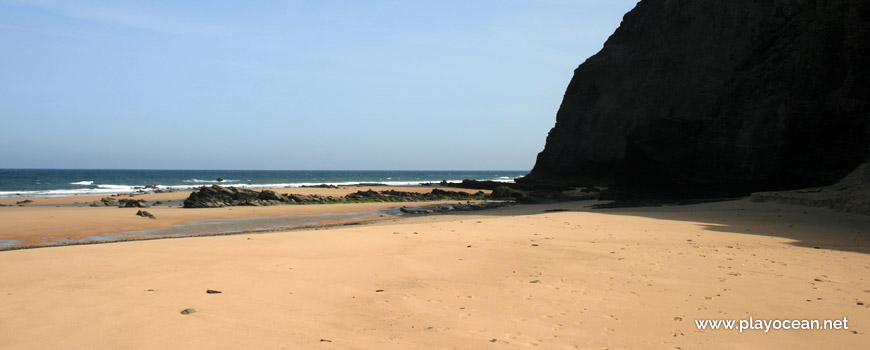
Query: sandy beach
point(556, 276)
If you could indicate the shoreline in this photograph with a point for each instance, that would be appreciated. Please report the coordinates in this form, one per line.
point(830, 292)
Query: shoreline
point(40, 183)
point(53, 221)
point(181, 194)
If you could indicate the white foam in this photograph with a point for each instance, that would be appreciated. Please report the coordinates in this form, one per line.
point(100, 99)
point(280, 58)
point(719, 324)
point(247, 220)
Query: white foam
point(210, 181)
point(115, 187)
point(99, 190)
point(58, 193)
point(107, 189)
point(83, 183)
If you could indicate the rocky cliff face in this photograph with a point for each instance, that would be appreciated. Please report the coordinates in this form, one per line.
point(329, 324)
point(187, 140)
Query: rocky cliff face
point(719, 95)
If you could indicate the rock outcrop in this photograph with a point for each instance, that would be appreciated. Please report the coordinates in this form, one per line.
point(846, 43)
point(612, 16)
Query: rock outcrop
point(216, 196)
point(718, 96)
point(131, 203)
point(104, 202)
point(145, 214)
point(401, 196)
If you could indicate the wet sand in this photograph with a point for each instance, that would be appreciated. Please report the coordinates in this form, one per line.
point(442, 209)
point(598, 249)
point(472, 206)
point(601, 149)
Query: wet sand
point(517, 277)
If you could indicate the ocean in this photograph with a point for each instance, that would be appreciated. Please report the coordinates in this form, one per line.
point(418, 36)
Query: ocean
point(28, 183)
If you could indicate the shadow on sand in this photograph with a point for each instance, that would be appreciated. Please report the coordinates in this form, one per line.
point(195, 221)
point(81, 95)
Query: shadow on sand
point(808, 227)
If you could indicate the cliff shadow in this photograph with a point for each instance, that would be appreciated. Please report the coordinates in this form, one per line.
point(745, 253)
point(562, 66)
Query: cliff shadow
point(808, 227)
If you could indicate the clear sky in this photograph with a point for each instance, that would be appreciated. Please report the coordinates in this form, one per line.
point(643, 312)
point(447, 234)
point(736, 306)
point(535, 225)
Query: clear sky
point(357, 85)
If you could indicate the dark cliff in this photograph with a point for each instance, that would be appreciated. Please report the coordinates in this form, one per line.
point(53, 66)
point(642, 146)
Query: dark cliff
point(724, 96)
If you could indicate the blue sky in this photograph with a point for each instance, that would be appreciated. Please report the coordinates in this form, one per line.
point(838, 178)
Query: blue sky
point(359, 85)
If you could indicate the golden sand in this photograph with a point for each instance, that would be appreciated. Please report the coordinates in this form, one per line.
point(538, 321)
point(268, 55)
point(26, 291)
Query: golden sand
point(517, 277)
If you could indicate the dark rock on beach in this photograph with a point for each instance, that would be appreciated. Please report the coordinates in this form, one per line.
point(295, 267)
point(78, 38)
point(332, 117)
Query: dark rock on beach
point(312, 199)
point(400, 196)
point(718, 97)
point(365, 195)
point(527, 194)
point(475, 184)
point(471, 206)
point(408, 210)
point(217, 196)
point(504, 191)
point(104, 202)
point(522, 186)
point(318, 186)
point(132, 203)
point(145, 214)
point(268, 195)
point(446, 208)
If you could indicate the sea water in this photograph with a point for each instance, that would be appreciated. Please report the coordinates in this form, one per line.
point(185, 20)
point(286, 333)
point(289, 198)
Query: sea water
point(28, 183)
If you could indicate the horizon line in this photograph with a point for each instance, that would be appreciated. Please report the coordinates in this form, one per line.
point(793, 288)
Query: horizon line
point(514, 170)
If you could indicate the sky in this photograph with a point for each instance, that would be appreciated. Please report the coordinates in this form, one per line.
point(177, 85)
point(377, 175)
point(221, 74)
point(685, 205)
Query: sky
point(289, 85)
